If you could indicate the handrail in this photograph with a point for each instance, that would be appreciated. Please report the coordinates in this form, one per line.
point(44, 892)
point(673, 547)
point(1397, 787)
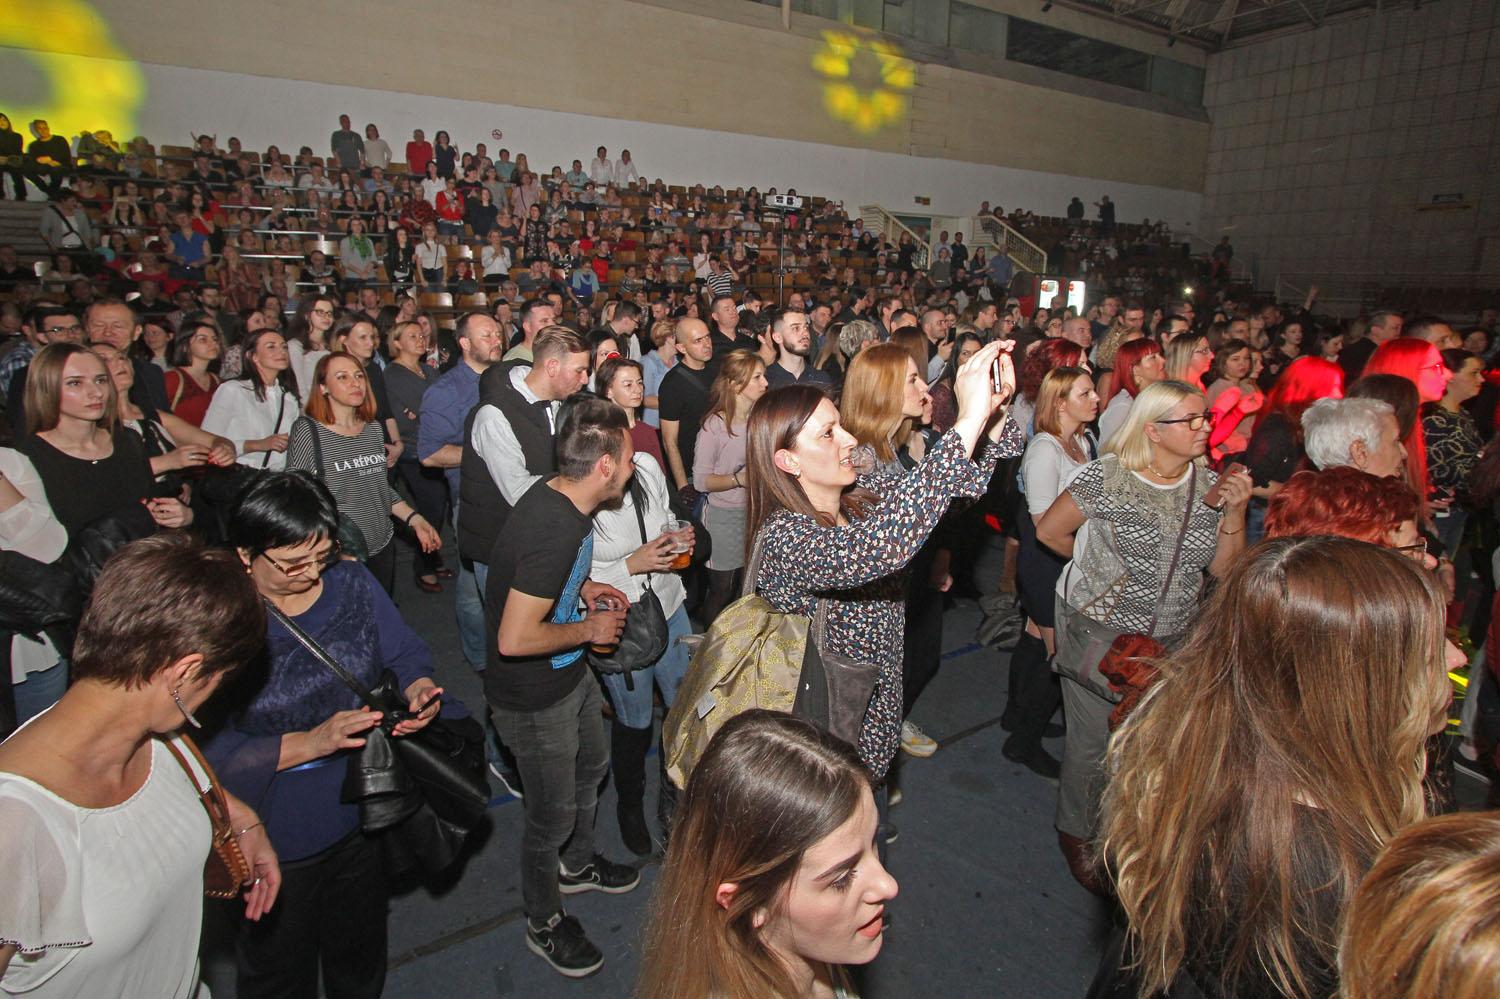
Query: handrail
point(891, 227)
point(1009, 241)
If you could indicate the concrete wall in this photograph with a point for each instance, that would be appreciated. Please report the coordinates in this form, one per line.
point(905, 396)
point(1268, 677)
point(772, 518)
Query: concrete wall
point(1329, 146)
point(650, 76)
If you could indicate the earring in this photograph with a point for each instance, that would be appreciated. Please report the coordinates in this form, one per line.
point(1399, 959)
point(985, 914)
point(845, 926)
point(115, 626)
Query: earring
point(185, 712)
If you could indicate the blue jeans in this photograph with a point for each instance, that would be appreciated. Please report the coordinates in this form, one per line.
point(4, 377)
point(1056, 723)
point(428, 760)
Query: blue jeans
point(468, 607)
point(562, 754)
point(633, 707)
point(42, 689)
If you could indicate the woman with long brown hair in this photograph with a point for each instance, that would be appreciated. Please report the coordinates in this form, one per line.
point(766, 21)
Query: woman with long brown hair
point(719, 472)
point(818, 538)
point(1281, 746)
point(746, 907)
point(884, 404)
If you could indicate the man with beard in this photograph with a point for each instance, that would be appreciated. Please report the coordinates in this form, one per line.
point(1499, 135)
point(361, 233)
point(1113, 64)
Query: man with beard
point(793, 338)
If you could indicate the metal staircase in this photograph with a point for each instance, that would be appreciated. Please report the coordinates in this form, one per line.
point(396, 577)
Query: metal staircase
point(987, 231)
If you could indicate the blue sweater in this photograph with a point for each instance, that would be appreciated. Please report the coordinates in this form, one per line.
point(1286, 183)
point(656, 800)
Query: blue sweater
point(360, 628)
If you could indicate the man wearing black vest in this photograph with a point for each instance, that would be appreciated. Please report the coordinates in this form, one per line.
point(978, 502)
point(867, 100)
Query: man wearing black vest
point(508, 437)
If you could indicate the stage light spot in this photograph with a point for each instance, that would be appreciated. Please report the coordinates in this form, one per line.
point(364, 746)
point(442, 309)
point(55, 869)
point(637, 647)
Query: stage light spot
point(91, 83)
point(866, 80)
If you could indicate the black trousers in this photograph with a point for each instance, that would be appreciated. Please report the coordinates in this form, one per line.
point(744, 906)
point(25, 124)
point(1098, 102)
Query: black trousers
point(429, 494)
point(382, 566)
point(924, 642)
point(330, 915)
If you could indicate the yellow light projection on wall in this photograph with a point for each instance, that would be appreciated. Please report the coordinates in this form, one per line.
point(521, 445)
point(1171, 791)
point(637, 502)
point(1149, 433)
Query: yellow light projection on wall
point(866, 80)
point(92, 83)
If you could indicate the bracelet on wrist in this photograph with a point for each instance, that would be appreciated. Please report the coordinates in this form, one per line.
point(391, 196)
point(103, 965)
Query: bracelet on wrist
point(1230, 533)
point(241, 832)
point(409, 518)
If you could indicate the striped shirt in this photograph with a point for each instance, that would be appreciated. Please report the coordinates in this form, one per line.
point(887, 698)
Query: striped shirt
point(354, 471)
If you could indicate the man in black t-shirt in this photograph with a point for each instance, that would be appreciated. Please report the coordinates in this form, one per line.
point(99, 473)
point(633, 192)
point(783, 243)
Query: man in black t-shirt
point(544, 703)
point(683, 396)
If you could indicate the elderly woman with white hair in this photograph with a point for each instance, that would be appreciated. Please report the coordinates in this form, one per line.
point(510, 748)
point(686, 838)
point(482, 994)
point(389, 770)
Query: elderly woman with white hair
point(1361, 433)
point(853, 337)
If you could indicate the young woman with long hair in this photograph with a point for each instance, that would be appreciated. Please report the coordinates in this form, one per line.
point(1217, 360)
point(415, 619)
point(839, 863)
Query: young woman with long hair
point(341, 442)
point(255, 410)
point(1275, 449)
point(1065, 406)
point(1420, 363)
point(884, 405)
point(191, 382)
point(307, 337)
point(1453, 442)
point(746, 907)
point(1308, 687)
point(1138, 363)
point(821, 539)
point(719, 472)
point(1190, 357)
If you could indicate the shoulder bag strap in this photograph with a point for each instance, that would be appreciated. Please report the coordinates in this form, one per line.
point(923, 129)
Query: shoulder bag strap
point(1187, 516)
point(638, 500)
point(265, 460)
point(319, 654)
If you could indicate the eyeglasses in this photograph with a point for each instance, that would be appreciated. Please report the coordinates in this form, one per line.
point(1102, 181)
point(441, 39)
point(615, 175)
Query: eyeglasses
point(322, 312)
point(301, 568)
point(1194, 422)
point(1417, 551)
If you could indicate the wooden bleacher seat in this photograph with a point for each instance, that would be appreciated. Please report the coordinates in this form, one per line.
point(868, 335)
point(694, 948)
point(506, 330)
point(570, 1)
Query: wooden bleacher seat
point(328, 246)
point(460, 251)
point(476, 301)
point(436, 300)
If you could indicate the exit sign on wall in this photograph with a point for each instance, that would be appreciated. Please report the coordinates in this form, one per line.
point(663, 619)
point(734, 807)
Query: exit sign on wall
point(922, 201)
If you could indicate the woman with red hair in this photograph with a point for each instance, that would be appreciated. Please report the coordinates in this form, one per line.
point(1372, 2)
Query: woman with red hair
point(1138, 363)
point(1348, 503)
point(1275, 448)
point(1420, 363)
point(1040, 359)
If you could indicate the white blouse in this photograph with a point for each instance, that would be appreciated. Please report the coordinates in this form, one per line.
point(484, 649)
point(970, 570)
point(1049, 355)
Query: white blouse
point(304, 364)
point(104, 901)
point(235, 413)
point(617, 534)
point(29, 528)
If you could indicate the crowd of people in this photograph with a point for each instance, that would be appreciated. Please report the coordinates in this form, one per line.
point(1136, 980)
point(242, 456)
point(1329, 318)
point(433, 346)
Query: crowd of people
point(1235, 535)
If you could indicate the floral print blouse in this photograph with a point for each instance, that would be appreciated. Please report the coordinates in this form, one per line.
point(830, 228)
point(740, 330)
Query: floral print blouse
point(862, 570)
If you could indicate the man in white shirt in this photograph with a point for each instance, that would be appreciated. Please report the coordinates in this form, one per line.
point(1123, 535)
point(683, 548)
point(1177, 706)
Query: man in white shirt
point(625, 171)
point(316, 180)
point(602, 171)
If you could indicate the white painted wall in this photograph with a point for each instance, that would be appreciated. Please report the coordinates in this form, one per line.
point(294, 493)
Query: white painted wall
point(263, 110)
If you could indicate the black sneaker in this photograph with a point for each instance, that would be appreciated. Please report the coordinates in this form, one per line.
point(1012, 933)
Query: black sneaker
point(561, 943)
point(602, 875)
point(1037, 759)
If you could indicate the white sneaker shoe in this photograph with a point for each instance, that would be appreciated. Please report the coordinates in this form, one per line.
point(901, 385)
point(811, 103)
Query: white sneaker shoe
point(916, 742)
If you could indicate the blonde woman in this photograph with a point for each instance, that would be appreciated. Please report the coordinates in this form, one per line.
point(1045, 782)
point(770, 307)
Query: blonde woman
point(1138, 569)
point(1308, 688)
point(719, 471)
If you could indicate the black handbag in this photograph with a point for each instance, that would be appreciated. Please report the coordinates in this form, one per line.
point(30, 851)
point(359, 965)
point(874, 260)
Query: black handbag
point(644, 639)
point(423, 793)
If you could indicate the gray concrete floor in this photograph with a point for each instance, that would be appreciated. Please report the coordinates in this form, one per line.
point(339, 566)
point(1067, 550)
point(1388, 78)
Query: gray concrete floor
point(986, 907)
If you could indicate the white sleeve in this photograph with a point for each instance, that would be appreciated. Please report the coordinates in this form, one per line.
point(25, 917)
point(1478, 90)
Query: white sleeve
point(1041, 470)
point(496, 443)
point(227, 418)
point(29, 527)
point(42, 907)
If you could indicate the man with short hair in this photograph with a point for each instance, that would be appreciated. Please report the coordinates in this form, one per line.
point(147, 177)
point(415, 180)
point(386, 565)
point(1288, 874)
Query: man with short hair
point(1075, 329)
point(819, 318)
point(901, 319)
point(727, 336)
point(1171, 328)
point(934, 327)
point(190, 252)
point(959, 252)
point(860, 301)
point(111, 321)
point(623, 325)
point(1134, 317)
point(601, 170)
point(316, 179)
point(888, 304)
point(536, 315)
point(576, 178)
point(1434, 330)
point(684, 400)
point(65, 227)
point(1384, 325)
point(348, 148)
point(440, 444)
point(793, 340)
point(625, 171)
point(1108, 309)
point(541, 694)
point(48, 158)
point(12, 271)
point(44, 324)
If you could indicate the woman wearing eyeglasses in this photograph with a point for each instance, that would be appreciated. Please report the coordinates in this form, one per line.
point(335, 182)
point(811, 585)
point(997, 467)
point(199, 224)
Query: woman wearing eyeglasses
point(1140, 531)
point(284, 752)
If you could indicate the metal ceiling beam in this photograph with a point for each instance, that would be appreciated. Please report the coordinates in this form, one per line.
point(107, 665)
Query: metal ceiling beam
point(1227, 10)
